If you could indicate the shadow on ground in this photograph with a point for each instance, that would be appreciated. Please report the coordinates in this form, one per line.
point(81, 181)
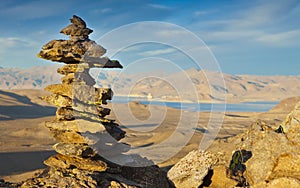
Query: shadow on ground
point(30, 110)
point(19, 162)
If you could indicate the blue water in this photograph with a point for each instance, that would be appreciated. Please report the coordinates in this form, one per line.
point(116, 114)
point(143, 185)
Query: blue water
point(262, 106)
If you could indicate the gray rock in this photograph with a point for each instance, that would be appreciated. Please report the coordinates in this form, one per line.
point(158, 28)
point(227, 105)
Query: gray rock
point(190, 171)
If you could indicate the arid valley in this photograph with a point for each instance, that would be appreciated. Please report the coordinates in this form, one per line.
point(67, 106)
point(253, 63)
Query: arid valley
point(25, 141)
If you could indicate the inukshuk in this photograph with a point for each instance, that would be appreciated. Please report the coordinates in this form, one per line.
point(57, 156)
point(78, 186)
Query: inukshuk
point(85, 137)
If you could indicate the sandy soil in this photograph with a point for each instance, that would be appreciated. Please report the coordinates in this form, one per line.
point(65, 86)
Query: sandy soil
point(25, 142)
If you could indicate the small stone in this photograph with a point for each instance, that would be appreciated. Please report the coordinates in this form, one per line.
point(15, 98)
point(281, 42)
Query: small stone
point(71, 137)
point(65, 113)
point(77, 125)
point(74, 30)
point(72, 68)
point(78, 21)
point(61, 161)
point(84, 93)
point(61, 89)
point(74, 150)
point(58, 100)
point(71, 52)
point(77, 28)
point(68, 79)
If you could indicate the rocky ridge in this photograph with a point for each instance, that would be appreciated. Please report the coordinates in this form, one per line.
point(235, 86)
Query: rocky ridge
point(275, 159)
point(266, 155)
point(86, 139)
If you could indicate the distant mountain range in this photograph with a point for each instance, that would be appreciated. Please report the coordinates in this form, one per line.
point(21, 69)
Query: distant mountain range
point(34, 78)
point(173, 87)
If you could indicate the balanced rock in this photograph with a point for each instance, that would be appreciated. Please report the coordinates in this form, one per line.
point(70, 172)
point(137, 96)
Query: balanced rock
point(87, 141)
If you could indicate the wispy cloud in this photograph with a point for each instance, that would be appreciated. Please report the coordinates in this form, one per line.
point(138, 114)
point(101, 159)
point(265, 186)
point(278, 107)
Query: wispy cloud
point(263, 22)
point(230, 35)
point(204, 12)
point(13, 42)
point(288, 38)
point(34, 9)
point(157, 52)
point(263, 15)
point(133, 48)
point(159, 6)
point(171, 33)
point(102, 11)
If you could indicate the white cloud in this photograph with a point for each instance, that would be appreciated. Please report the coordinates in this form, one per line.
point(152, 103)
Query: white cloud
point(262, 14)
point(287, 38)
point(12, 42)
point(102, 11)
point(171, 33)
point(229, 35)
point(132, 48)
point(159, 6)
point(204, 12)
point(199, 13)
point(158, 52)
point(264, 22)
point(105, 10)
point(35, 9)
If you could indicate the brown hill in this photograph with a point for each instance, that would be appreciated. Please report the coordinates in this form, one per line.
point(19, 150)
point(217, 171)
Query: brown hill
point(190, 85)
point(286, 105)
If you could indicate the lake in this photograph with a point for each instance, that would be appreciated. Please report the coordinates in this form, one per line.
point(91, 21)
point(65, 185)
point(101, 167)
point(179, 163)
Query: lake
point(261, 106)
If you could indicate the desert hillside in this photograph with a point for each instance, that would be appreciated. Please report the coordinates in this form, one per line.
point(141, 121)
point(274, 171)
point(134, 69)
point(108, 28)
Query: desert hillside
point(236, 88)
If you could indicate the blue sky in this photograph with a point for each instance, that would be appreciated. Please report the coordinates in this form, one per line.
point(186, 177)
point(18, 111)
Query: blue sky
point(246, 37)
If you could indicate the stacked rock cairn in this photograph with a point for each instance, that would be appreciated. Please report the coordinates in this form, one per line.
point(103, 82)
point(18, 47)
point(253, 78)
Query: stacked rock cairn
point(86, 139)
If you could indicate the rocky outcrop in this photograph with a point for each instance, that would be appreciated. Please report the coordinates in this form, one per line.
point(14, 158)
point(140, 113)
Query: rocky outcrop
point(87, 141)
point(275, 159)
point(191, 170)
point(293, 119)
